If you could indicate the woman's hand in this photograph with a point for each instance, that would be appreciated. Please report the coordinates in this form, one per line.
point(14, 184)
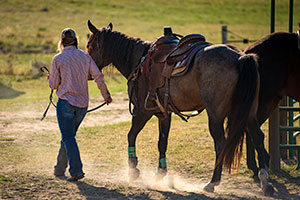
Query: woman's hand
point(108, 100)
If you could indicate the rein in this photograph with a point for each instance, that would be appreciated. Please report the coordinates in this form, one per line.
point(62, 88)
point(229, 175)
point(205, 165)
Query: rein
point(43, 69)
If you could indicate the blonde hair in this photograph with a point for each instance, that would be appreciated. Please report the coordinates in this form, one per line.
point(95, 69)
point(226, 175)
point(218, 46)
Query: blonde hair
point(61, 45)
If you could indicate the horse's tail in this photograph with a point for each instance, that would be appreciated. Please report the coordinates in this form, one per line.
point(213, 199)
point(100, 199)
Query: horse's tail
point(241, 105)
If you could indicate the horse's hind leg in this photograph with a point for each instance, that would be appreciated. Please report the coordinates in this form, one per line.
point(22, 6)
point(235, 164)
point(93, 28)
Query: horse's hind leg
point(263, 157)
point(251, 161)
point(137, 124)
point(264, 110)
point(216, 130)
point(164, 129)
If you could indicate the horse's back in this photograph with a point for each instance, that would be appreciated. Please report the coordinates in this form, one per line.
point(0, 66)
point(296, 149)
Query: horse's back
point(218, 66)
point(211, 80)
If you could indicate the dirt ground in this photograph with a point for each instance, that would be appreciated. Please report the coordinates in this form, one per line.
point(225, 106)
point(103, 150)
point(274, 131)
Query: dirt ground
point(14, 121)
point(16, 183)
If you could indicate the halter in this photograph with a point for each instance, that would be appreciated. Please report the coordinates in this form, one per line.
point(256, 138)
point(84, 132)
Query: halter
point(90, 46)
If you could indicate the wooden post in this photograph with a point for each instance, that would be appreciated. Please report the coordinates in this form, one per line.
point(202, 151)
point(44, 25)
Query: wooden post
point(291, 13)
point(274, 118)
point(274, 150)
point(272, 16)
point(224, 34)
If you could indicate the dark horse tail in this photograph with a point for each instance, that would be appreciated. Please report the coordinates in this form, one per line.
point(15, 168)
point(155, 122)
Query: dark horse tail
point(241, 105)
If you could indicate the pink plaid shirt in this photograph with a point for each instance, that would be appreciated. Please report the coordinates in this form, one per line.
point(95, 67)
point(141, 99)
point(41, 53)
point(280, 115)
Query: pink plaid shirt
point(69, 76)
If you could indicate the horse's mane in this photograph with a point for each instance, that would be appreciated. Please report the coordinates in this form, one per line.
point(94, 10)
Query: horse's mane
point(119, 47)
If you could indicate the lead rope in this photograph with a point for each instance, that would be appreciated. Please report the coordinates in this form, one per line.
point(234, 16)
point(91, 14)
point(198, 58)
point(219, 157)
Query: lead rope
point(43, 69)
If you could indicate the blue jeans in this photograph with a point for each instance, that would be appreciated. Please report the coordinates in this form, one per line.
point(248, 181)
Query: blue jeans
point(69, 118)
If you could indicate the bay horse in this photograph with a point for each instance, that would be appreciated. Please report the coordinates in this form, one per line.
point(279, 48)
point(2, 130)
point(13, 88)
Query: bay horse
point(278, 56)
point(220, 80)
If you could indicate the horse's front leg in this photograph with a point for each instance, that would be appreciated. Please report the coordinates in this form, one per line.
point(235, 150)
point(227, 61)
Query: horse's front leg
point(263, 157)
point(164, 129)
point(138, 122)
point(216, 130)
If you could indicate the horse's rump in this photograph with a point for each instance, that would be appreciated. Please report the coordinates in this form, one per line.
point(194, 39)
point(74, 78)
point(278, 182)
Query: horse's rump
point(242, 104)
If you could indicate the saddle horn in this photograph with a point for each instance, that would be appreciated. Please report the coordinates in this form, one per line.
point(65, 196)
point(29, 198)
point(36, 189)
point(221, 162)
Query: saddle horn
point(92, 28)
point(168, 31)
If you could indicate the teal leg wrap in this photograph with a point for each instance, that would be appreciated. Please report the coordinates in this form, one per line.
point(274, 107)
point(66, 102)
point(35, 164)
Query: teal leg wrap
point(162, 163)
point(131, 152)
point(162, 168)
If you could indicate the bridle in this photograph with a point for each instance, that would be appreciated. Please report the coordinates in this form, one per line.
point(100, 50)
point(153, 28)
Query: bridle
point(90, 44)
point(45, 69)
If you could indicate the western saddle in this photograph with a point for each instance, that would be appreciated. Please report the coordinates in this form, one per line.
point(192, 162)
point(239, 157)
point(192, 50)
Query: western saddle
point(168, 56)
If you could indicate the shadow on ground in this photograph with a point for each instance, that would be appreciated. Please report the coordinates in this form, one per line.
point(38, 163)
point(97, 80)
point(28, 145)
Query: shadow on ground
point(8, 93)
point(281, 188)
point(123, 193)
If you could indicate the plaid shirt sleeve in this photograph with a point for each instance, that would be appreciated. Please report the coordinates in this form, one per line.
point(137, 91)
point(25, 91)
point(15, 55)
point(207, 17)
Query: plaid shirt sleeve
point(99, 78)
point(54, 77)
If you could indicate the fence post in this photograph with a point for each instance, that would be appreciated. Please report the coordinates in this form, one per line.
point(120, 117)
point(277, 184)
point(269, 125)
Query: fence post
point(274, 138)
point(274, 118)
point(224, 34)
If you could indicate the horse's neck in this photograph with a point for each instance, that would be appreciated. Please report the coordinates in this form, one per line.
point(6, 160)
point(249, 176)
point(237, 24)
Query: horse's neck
point(126, 58)
point(126, 68)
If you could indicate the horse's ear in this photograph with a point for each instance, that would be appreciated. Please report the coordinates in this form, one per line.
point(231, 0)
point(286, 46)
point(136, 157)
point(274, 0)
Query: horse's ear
point(110, 26)
point(92, 28)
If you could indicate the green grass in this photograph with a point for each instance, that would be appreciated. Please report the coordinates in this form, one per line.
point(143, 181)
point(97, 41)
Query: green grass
point(30, 30)
point(4, 179)
point(36, 92)
point(6, 139)
point(29, 26)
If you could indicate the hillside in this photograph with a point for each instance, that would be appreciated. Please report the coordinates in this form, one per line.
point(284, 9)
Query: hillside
point(30, 30)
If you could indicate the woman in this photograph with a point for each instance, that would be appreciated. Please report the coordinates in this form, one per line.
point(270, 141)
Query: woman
point(69, 76)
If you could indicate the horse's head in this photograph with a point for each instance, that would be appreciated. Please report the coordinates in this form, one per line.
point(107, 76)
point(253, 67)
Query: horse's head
point(95, 46)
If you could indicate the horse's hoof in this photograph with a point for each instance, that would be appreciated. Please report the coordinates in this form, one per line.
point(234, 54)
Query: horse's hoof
point(255, 178)
point(134, 174)
point(209, 187)
point(161, 173)
point(268, 190)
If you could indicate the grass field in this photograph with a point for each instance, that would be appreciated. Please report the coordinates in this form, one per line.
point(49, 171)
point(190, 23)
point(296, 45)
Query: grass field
point(29, 32)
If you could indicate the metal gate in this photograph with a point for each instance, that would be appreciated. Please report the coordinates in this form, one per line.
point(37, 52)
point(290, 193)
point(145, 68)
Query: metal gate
point(292, 129)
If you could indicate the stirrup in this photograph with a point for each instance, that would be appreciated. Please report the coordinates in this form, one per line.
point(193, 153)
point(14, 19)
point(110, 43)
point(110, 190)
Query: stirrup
point(156, 100)
point(146, 100)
